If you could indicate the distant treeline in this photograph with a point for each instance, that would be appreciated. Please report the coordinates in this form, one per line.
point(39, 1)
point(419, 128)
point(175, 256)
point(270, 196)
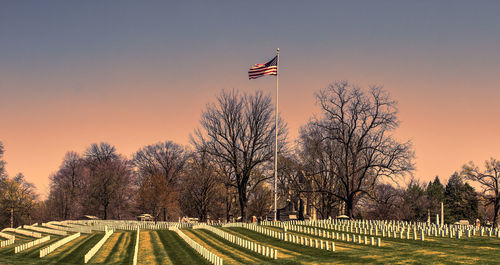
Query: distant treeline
point(345, 161)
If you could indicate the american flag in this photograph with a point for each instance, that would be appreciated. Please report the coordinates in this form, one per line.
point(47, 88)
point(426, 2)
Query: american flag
point(269, 68)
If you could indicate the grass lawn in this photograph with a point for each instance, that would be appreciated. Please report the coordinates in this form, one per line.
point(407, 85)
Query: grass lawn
point(230, 253)
point(118, 249)
point(166, 247)
point(177, 250)
point(434, 250)
point(70, 253)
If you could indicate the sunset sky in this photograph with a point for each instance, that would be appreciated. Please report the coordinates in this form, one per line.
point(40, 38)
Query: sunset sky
point(132, 73)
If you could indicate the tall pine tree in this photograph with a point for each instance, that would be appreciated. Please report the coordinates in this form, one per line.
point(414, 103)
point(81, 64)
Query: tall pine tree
point(435, 195)
point(461, 201)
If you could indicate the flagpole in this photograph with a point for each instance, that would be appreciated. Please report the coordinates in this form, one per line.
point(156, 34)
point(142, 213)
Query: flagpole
point(276, 140)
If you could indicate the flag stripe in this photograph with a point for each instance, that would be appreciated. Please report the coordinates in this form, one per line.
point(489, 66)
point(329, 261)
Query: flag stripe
point(269, 68)
point(264, 71)
point(273, 69)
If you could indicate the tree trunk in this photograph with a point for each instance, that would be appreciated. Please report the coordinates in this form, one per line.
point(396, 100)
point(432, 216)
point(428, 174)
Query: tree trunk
point(243, 202)
point(495, 215)
point(105, 212)
point(229, 202)
point(228, 210)
point(11, 217)
point(164, 214)
point(349, 205)
point(203, 213)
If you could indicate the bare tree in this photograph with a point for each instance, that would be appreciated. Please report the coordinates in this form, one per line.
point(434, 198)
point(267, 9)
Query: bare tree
point(386, 203)
point(66, 186)
point(99, 183)
point(490, 182)
point(317, 156)
point(225, 174)
point(160, 167)
point(108, 176)
point(239, 131)
point(153, 195)
point(260, 201)
point(356, 128)
point(230, 194)
point(288, 172)
point(201, 187)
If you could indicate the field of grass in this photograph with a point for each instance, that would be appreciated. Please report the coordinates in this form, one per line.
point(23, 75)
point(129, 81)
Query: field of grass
point(433, 250)
point(156, 247)
point(166, 247)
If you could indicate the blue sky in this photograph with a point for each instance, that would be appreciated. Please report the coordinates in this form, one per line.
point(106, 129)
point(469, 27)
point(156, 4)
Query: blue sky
point(133, 73)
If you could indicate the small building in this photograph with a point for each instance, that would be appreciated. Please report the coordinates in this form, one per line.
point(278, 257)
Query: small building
point(89, 217)
point(187, 219)
point(343, 217)
point(462, 222)
point(145, 217)
point(297, 205)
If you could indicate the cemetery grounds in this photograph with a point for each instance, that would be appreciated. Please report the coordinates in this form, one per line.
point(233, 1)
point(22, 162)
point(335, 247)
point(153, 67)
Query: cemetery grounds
point(294, 242)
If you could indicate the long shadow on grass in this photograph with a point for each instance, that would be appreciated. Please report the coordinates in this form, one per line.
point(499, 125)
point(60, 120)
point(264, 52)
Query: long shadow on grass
point(178, 251)
point(32, 256)
point(9, 250)
point(76, 252)
point(34, 252)
point(437, 250)
point(157, 246)
point(448, 251)
point(115, 248)
point(203, 234)
point(116, 253)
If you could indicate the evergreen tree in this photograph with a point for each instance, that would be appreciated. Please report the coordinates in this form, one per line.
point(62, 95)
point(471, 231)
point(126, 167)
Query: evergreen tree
point(460, 201)
point(415, 202)
point(435, 194)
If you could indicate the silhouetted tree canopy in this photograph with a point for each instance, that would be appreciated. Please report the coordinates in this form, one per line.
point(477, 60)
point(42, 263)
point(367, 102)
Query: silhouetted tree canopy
point(461, 202)
point(353, 143)
point(489, 179)
point(239, 132)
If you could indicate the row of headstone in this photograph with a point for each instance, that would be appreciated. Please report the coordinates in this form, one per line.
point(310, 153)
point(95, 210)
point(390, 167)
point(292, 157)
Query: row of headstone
point(442, 230)
point(352, 225)
point(314, 231)
point(7, 242)
point(310, 242)
point(205, 253)
point(23, 232)
point(47, 250)
point(161, 224)
point(252, 246)
point(100, 225)
point(76, 226)
point(45, 230)
point(362, 226)
point(7, 236)
point(31, 244)
point(129, 225)
point(136, 247)
point(324, 230)
point(61, 226)
point(367, 228)
point(306, 241)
